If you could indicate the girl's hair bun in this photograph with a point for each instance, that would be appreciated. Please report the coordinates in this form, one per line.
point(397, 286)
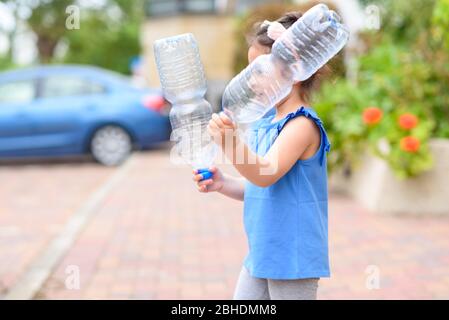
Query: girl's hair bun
point(275, 30)
point(285, 21)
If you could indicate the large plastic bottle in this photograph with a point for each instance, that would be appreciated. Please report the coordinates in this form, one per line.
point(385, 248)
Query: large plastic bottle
point(184, 85)
point(296, 55)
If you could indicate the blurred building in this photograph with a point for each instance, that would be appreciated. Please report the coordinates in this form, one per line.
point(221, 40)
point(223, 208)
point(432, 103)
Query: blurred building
point(211, 21)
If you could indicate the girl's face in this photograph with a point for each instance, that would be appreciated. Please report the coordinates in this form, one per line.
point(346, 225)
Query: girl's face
point(256, 50)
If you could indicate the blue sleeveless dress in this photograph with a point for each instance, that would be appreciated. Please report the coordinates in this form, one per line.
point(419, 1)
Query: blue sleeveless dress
point(286, 223)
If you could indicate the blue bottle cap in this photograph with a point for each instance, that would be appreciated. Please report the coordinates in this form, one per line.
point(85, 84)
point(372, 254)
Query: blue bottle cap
point(205, 173)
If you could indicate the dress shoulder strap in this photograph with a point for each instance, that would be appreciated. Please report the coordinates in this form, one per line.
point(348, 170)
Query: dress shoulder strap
point(311, 114)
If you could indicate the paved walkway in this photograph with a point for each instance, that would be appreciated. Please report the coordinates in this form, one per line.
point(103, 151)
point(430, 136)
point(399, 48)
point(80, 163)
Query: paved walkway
point(153, 236)
point(35, 203)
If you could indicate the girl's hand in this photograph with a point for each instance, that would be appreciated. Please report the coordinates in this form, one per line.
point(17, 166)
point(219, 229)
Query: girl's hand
point(221, 128)
point(213, 184)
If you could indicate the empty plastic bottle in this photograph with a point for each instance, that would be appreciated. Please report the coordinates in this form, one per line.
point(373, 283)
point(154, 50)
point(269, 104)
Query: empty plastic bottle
point(296, 55)
point(184, 85)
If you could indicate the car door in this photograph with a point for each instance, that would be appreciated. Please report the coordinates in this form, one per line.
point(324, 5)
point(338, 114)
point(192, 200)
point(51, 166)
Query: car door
point(60, 112)
point(15, 125)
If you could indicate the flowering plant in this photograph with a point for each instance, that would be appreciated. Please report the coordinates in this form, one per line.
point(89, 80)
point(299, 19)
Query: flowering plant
point(389, 111)
point(400, 98)
point(401, 139)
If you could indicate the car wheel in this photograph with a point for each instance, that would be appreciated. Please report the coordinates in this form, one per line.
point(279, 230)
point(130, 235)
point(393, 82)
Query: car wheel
point(111, 145)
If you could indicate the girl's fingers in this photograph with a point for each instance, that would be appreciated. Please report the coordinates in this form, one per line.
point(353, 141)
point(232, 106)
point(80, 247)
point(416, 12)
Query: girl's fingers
point(214, 133)
point(218, 120)
point(202, 188)
point(210, 131)
point(205, 182)
point(226, 120)
point(212, 124)
point(213, 169)
point(199, 179)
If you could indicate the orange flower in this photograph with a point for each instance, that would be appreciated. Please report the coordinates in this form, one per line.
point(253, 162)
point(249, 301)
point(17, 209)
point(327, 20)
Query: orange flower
point(410, 144)
point(372, 115)
point(408, 121)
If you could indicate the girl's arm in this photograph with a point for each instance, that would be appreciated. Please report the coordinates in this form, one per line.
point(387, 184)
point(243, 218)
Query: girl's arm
point(233, 187)
point(297, 135)
point(225, 184)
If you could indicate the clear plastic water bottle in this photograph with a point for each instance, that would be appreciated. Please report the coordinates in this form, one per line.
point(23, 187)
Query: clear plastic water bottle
point(295, 56)
point(184, 85)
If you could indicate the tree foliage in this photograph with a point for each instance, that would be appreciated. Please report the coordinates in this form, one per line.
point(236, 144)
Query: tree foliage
point(105, 40)
point(108, 35)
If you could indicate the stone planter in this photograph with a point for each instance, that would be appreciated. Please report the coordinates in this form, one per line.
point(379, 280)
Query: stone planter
point(374, 185)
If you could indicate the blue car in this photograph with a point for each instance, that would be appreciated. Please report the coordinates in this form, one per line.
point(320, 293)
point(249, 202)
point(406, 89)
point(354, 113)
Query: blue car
point(53, 111)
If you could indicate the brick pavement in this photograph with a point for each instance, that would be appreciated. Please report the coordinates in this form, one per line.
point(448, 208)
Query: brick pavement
point(35, 202)
point(410, 254)
point(155, 237)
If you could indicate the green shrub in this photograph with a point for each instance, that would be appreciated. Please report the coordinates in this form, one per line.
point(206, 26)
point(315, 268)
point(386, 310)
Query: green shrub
point(104, 40)
point(6, 63)
point(397, 77)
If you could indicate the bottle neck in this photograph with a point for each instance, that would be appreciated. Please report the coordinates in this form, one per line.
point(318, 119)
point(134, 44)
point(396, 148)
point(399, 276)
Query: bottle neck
point(191, 101)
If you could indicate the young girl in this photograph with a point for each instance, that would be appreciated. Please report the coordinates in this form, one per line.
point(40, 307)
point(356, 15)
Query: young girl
point(283, 186)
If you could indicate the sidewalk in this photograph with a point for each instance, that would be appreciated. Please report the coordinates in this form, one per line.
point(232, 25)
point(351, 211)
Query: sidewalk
point(35, 203)
point(155, 237)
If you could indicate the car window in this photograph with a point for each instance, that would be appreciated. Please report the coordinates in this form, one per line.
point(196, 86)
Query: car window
point(17, 91)
point(63, 86)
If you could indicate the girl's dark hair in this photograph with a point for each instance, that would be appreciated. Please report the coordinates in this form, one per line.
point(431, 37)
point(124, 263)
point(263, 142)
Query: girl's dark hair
point(307, 86)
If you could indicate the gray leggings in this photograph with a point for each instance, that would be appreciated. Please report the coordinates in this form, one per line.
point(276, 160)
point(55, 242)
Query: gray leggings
point(250, 288)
